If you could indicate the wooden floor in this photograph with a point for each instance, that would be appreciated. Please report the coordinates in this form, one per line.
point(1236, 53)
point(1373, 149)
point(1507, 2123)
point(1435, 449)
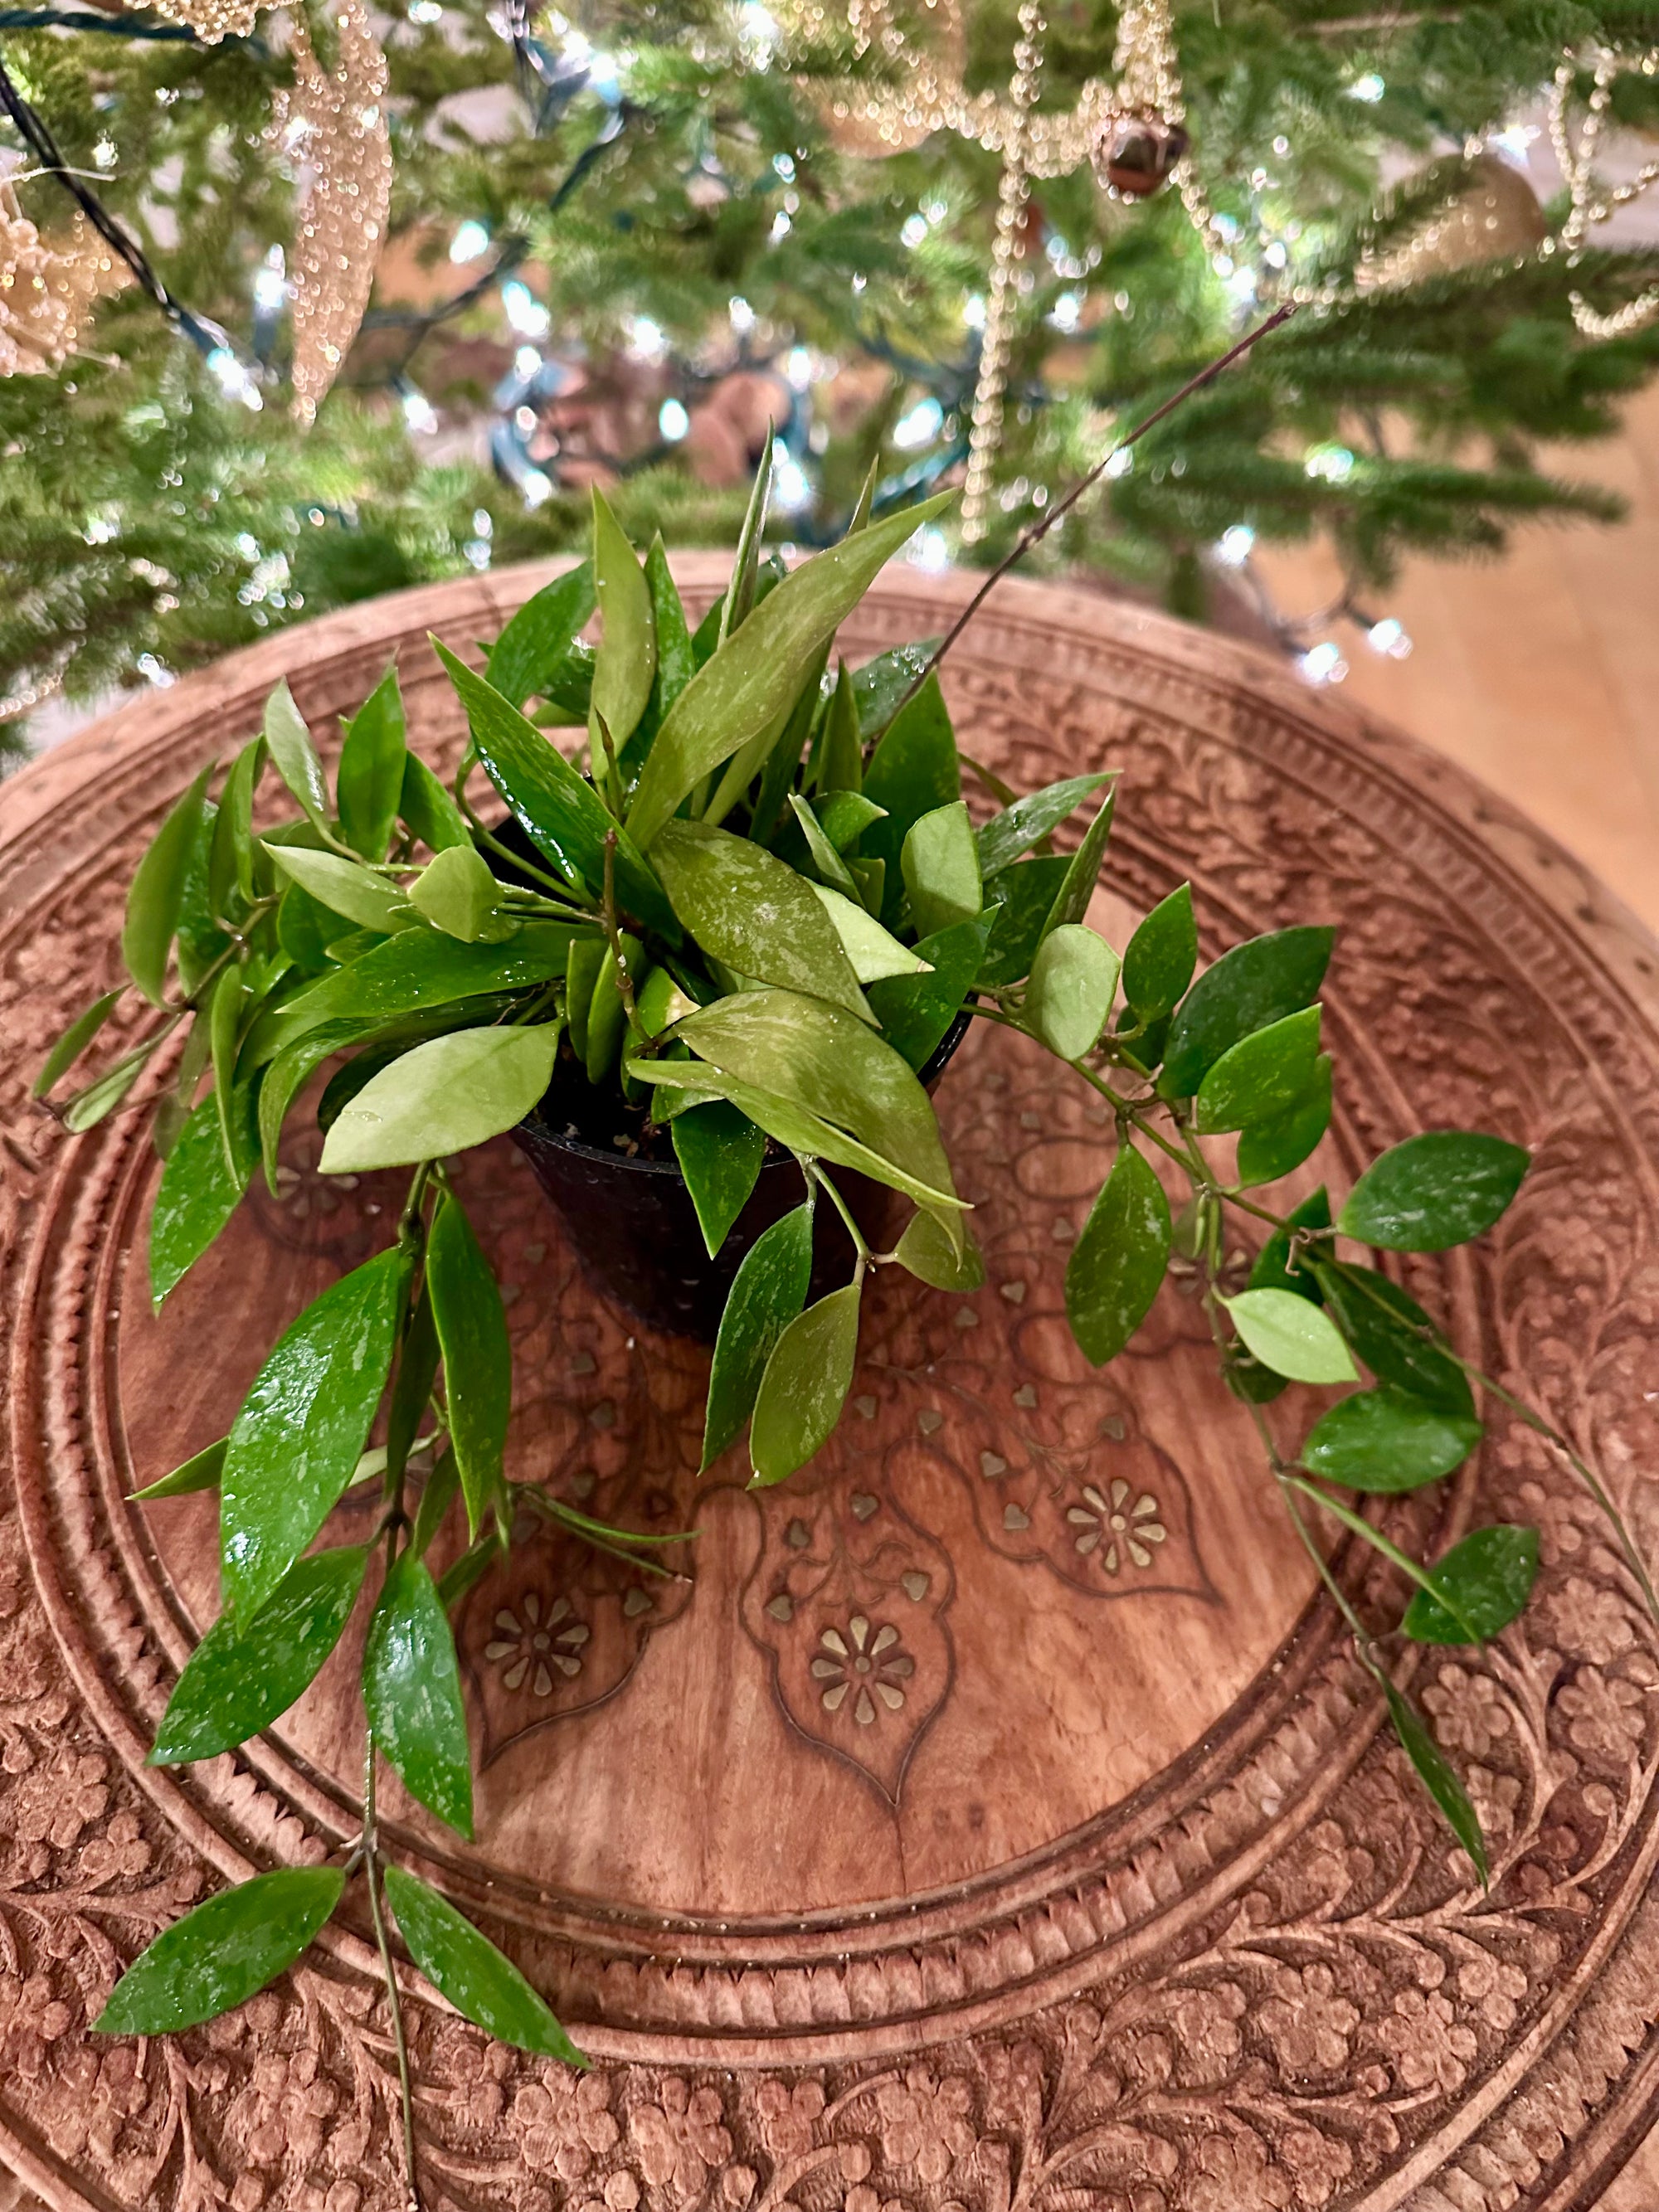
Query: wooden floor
point(1539, 673)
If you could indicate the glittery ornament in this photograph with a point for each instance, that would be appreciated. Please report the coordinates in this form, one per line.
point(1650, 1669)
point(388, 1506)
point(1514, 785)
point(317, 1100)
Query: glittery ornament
point(46, 288)
point(333, 123)
point(930, 55)
point(1135, 156)
point(210, 20)
point(1494, 217)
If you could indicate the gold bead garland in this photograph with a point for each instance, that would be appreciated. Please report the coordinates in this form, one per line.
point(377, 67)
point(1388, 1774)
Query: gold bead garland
point(1496, 216)
point(1590, 206)
point(210, 20)
point(45, 289)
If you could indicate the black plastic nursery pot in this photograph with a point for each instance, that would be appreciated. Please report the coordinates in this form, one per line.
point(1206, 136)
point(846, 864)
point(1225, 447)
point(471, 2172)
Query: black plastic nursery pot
point(635, 1231)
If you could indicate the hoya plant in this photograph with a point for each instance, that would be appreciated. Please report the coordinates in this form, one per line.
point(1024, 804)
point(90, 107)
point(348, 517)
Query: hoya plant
point(740, 896)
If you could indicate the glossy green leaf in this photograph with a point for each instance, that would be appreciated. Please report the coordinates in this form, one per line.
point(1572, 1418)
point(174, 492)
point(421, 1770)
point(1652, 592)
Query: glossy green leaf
point(443, 1096)
point(658, 1002)
point(412, 1693)
point(230, 858)
point(1294, 1337)
point(926, 1250)
point(88, 1107)
point(1076, 885)
point(769, 1291)
point(752, 681)
point(221, 1953)
point(1117, 1265)
point(1020, 902)
point(1390, 1332)
point(1262, 1076)
point(1006, 836)
point(368, 784)
point(156, 896)
point(471, 1328)
point(607, 1015)
point(200, 939)
point(720, 1151)
point(754, 913)
point(536, 643)
point(457, 893)
point(1069, 997)
point(873, 953)
point(1383, 1440)
point(1434, 1191)
point(844, 816)
point(442, 1487)
point(881, 686)
point(201, 1472)
point(825, 861)
point(73, 1042)
point(294, 758)
point(1273, 1147)
point(225, 1012)
point(345, 887)
point(840, 767)
point(1256, 983)
point(466, 1968)
point(781, 759)
point(305, 930)
point(560, 812)
point(427, 808)
point(1485, 1581)
point(627, 662)
point(913, 771)
point(200, 1188)
point(915, 1011)
point(740, 590)
point(302, 1427)
point(587, 963)
point(245, 1674)
point(1158, 962)
point(1437, 1776)
point(676, 662)
point(804, 1387)
point(939, 863)
point(1273, 1270)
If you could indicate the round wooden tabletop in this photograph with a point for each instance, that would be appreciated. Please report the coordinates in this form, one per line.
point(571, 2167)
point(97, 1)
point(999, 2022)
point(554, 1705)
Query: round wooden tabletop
point(994, 1817)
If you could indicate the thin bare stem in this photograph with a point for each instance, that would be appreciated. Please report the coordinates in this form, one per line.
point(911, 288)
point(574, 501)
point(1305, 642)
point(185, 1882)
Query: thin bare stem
point(624, 980)
point(394, 2000)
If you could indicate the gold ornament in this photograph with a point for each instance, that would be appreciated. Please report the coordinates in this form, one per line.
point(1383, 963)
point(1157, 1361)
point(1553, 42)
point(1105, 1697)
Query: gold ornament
point(46, 290)
point(985, 432)
point(1494, 217)
point(334, 124)
point(1590, 205)
point(210, 20)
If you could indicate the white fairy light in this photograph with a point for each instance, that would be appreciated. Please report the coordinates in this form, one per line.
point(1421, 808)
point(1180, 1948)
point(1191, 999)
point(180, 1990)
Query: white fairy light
point(1370, 88)
point(419, 412)
point(920, 427)
point(1389, 638)
point(1323, 663)
point(524, 311)
point(1332, 463)
point(233, 378)
point(929, 552)
point(1234, 545)
point(672, 420)
point(470, 242)
point(740, 315)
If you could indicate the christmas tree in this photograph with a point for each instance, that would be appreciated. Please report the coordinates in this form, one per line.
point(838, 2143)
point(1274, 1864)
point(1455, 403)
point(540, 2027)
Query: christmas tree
point(299, 308)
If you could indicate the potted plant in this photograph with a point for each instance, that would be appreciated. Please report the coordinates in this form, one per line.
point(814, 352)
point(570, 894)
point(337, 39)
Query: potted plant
point(703, 971)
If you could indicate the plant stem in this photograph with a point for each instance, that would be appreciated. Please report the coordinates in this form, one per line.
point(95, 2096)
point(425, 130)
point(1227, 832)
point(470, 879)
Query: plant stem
point(1361, 1527)
point(866, 1256)
point(624, 980)
point(394, 2000)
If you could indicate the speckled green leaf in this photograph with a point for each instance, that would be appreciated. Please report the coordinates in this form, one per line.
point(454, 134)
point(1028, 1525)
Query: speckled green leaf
point(156, 896)
point(1384, 1441)
point(200, 1188)
point(412, 1693)
point(753, 912)
point(1159, 959)
point(1006, 836)
point(1117, 1265)
point(294, 756)
point(1069, 997)
point(221, 1953)
point(720, 1151)
point(1274, 1147)
point(768, 1292)
point(1434, 1191)
point(466, 1968)
point(1262, 1076)
point(804, 1387)
point(1485, 1580)
point(1258, 982)
point(442, 1097)
point(536, 643)
point(477, 1354)
point(1437, 1776)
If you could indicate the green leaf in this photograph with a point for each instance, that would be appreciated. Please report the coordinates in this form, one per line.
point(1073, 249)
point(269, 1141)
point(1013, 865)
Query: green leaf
point(752, 912)
point(199, 1189)
point(1076, 885)
point(201, 1472)
point(75, 1040)
point(658, 1002)
point(200, 939)
point(302, 1428)
point(607, 1015)
point(411, 1387)
point(881, 685)
point(560, 812)
point(305, 930)
point(845, 815)
point(827, 1063)
point(439, 1495)
point(88, 1107)
point(427, 808)
point(471, 1326)
point(156, 897)
point(627, 662)
point(345, 887)
point(1262, 1076)
point(927, 1252)
point(804, 1387)
point(1390, 1332)
point(1117, 1264)
point(1258, 982)
point(586, 965)
point(1020, 902)
point(230, 858)
point(1292, 1336)
point(1434, 1191)
point(1385, 1440)
point(457, 893)
point(676, 662)
point(755, 677)
point(368, 783)
point(466, 1968)
point(1437, 1776)
point(221, 1953)
point(443, 1096)
point(827, 863)
point(939, 862)
point(1069, 997)
point(781, 759)
point(841, 769)
point(913, 771)
point(769, 1290)
point(1273, 1270)
point(538, 640)
point(1269, 1149)
point(874, 955)
point(242, 1677)
point(412, 1693)
point(720, 1151)
point(1158, 964)
point(295, 759)
point(1006, 836)
point(739, 601)
point(915, 1011)
point(1485, 1581)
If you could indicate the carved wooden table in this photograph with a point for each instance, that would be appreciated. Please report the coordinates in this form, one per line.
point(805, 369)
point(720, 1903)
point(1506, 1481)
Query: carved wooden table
point(996, 1820)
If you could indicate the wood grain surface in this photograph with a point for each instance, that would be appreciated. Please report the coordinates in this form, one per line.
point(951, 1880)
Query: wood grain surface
point(991, 1817)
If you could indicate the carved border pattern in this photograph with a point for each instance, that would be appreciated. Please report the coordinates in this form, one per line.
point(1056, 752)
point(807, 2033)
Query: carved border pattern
point(1263, 1984)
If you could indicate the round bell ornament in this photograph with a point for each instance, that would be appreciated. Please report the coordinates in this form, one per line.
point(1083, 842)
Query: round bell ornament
point(1136, 153)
